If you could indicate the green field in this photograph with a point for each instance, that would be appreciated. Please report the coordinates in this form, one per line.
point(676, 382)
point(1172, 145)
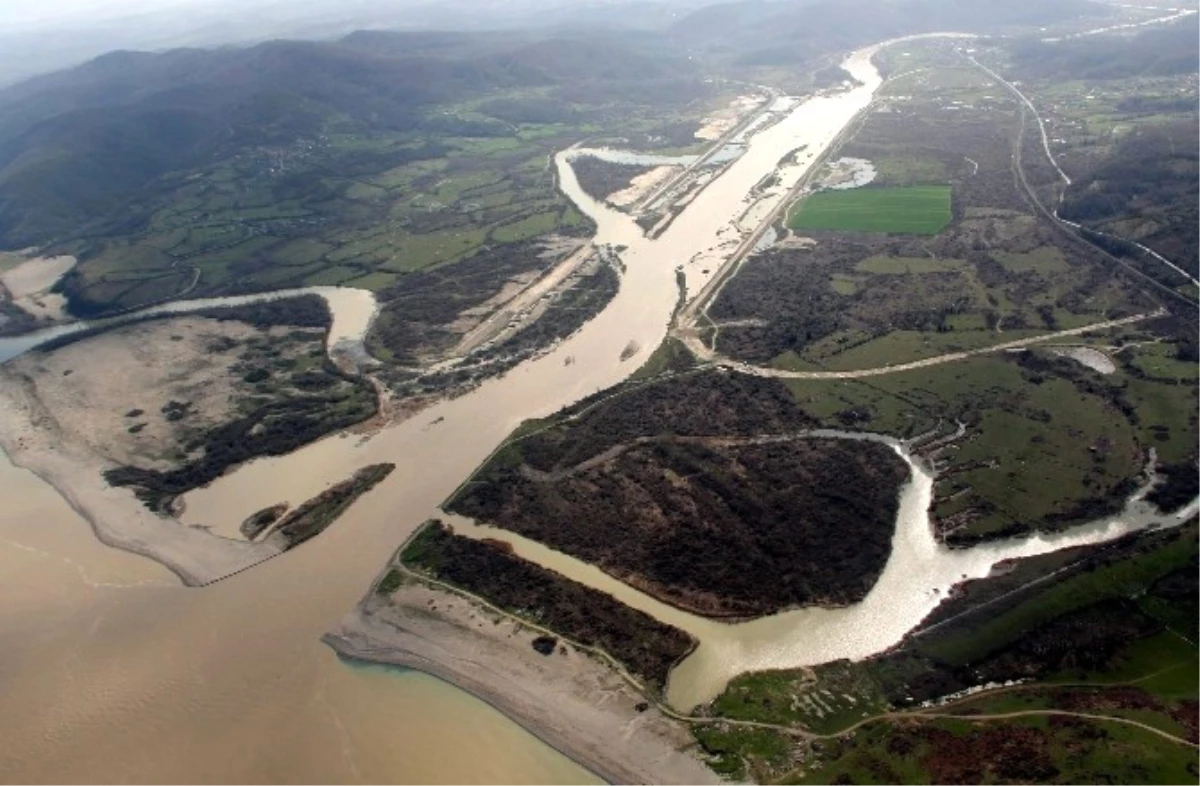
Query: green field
point(913, 210)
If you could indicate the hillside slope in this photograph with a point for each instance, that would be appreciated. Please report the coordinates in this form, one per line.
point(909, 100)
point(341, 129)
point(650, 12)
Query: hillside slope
point(77, 147)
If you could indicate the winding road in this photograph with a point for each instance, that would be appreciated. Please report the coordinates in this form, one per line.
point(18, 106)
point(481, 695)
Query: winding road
point(230, 683)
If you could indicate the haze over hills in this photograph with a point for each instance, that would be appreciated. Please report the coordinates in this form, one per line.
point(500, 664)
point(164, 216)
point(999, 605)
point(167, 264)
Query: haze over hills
point(48, 39)
point(1163, 51)
point(760, 32)
point(38, 40)
point(76, 146)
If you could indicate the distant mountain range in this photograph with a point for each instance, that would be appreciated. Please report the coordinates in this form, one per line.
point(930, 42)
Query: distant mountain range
point(77, 146)
point(1154, 51)
point(58, 39)
point(765, 32)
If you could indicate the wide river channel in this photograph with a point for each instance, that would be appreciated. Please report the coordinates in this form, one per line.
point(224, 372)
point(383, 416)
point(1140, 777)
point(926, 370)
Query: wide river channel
point(110, 670)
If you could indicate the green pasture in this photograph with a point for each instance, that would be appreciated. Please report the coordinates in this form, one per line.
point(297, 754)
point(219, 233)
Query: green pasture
point(915, 210)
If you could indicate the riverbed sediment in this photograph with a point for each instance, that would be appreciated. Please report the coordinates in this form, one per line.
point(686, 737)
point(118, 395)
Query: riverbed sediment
point(34, 437)
point(33, 441)
point(240, 659)
point(281, 607)
point(569, 700)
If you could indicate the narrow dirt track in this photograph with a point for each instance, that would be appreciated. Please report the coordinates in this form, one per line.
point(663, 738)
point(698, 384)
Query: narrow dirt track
point(692, 341)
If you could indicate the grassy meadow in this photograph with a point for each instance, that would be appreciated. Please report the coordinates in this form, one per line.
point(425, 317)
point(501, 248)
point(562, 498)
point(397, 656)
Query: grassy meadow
point(915, 210)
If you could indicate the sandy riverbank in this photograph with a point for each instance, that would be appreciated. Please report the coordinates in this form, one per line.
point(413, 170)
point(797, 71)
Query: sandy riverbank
point(70, 415)
point(32, 439)
point(718, 123)
point(568, 699)
point(642, 184)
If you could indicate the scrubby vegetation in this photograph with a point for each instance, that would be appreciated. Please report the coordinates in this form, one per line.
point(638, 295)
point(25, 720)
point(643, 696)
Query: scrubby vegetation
point(1035, 750)
point(423, 174)
point(696, 404)
point(1105, 631)
point(392, 581)
point(1147, 184)
point(646, 647)
point(351, 162)
point(1112, 633)
point(1123, 113)
point(1047, 441)
point(293, 395)
point(314, 516)
point(599, 179)
point(15, 320)
point(856, 300)
point(671, 357)
point(255, 523)
point(414, 321)
point(741, 753)
point(268, 427)
point(810, 521)
point(567, 313)
point(304, 311)
point(593, 285)
point(1180, 485)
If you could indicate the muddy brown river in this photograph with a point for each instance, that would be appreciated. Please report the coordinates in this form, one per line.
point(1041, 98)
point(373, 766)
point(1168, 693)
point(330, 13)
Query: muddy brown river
point(113, 671)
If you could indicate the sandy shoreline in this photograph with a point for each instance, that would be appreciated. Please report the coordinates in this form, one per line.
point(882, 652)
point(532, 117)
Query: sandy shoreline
point(72, 414)
point(568, 699)
point(31, 438)
point(641, 185)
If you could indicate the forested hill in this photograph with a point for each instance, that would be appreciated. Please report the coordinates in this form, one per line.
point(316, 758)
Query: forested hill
point(1166, 51)
point(1142, 182)
point(1147, 184)
point(760, 32)
point(76, 146)
point(79, 148)
point(84, 151)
